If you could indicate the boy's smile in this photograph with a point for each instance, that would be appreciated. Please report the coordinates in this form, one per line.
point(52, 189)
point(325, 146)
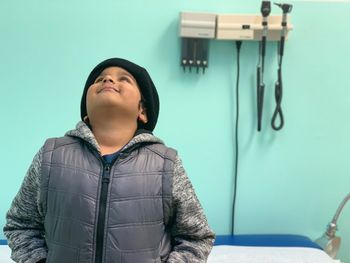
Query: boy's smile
point(108, 87)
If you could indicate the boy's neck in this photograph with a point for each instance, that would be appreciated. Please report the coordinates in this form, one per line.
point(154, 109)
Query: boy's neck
point(112, 136)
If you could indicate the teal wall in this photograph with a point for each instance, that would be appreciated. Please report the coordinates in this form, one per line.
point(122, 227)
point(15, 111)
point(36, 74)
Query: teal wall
point(289, 181)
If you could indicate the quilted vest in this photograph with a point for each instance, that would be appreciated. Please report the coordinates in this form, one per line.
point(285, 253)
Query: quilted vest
point(130, 223)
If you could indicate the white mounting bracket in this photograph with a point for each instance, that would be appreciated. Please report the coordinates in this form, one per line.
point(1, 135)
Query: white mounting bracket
point(196, 29)
point(248, 27)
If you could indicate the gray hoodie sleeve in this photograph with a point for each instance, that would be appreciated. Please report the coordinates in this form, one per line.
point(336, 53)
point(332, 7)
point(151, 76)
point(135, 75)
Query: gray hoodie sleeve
point(24, 227)
point(192, 235)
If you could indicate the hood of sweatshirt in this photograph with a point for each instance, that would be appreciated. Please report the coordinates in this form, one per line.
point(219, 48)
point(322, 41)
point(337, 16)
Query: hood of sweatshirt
point(83, 132)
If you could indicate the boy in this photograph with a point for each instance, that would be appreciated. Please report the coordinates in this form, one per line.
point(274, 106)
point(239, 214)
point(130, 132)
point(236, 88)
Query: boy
point(109, 191)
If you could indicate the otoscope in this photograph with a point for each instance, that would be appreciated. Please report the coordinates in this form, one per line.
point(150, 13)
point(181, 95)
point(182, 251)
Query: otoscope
point(265, 11)
point(286, 8)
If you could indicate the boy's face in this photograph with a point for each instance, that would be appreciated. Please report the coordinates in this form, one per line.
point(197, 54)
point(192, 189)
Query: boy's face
point(116, 88)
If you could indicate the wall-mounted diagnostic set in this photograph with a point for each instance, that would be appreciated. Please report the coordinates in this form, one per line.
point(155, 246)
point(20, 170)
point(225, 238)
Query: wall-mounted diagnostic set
point(197, 29)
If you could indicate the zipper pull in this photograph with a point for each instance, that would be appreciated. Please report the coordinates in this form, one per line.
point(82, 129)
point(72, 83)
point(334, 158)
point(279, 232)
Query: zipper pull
point(105, 178)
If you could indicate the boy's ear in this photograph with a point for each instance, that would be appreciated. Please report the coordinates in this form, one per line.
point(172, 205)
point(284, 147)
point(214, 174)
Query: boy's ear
point(86, 119)
point(142, 116)
point(142, 113)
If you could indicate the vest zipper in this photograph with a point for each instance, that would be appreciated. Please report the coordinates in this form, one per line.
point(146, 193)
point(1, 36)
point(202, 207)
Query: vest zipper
point(102, 213)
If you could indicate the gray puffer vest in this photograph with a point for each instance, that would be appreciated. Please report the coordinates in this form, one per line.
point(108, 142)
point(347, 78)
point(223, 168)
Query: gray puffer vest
point(100, 213)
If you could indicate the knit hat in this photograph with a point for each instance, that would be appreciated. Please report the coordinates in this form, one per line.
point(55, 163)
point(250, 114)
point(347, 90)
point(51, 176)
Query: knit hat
point(144, 81)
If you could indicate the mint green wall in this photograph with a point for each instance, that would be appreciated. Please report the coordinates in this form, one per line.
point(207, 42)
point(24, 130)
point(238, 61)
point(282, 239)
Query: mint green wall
point(289, 182)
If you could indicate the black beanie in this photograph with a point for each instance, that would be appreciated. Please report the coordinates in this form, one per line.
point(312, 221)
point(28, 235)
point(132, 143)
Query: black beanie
point(144, 81)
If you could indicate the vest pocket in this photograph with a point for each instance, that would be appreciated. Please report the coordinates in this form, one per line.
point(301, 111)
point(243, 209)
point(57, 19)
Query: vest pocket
point(61, 253)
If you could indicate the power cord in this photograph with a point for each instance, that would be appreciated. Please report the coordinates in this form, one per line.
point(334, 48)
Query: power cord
point(238, 48)
point(278, 94)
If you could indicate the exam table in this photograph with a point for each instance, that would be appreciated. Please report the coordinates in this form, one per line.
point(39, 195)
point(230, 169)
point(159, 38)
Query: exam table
point(267, 249)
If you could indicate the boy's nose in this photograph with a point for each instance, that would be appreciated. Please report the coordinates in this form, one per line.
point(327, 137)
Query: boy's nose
point(108, 78)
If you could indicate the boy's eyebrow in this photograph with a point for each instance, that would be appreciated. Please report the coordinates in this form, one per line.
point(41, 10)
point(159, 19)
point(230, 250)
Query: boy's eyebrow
point(128, 74)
